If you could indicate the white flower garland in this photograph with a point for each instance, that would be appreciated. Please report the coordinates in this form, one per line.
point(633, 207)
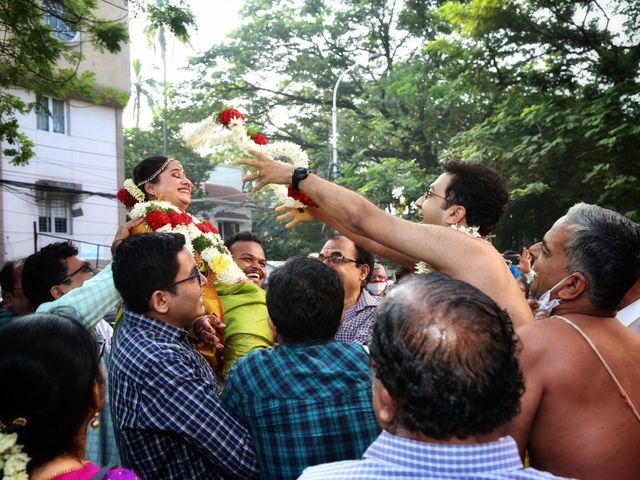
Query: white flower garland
point(209, 134)
point(424, 267)
point(133, 189)
point(217, 256)
point(13, 461)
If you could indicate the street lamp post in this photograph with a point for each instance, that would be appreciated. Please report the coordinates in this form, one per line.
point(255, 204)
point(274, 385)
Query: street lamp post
point(334, 118)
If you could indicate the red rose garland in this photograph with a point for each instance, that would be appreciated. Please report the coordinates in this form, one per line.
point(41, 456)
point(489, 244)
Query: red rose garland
point(126, 198)
point(157, 219)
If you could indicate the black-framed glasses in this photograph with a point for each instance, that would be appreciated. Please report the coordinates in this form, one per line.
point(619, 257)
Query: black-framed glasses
point(86, 267)
point(336, 258)
point(195, 274)
point(431, 193)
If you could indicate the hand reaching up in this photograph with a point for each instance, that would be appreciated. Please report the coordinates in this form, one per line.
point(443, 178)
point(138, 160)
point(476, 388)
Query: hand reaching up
point(294, 215)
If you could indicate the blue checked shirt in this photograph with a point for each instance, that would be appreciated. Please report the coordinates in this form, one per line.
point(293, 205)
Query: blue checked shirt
point(304, 405)
point(88, 304)
point(357, 323)
point(394, 457)
point(168, 419)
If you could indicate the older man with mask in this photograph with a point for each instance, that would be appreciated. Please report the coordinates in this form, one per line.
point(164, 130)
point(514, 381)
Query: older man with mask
point(579, 414)
point(353, 264)
point(377, 285)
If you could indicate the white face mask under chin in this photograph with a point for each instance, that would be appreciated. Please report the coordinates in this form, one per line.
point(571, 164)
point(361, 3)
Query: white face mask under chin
point(376, 288)
point(546, 303)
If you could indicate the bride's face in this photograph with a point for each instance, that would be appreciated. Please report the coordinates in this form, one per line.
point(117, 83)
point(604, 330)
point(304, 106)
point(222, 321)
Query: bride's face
point(172, 186)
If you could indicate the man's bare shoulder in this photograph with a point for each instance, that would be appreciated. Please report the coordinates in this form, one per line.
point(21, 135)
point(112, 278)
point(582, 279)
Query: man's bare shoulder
point(545, 342)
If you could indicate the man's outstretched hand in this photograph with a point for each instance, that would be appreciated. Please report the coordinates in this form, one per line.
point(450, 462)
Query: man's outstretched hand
point(268, 170)
point(294, 215)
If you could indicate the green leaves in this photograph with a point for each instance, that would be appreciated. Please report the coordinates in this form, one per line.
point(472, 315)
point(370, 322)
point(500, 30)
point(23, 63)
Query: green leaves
point(546, 92)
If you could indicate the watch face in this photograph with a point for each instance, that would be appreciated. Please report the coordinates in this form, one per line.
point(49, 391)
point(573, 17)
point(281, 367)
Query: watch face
point(54, 13)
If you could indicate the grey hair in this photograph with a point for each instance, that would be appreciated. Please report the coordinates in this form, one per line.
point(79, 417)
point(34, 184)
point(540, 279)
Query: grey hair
point(605, 247)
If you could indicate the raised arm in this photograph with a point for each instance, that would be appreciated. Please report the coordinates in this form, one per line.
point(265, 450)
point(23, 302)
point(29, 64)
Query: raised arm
point(297, 215)
point(445, 249)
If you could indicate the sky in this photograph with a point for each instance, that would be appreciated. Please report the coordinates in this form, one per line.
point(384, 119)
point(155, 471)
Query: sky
point(214, 19)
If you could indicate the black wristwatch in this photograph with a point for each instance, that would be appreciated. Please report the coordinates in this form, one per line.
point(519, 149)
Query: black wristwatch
point(299, 174)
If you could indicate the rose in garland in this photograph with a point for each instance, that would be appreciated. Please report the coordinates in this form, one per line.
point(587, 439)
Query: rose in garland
point(229, 114)
point(259, 139)
point(126, 198)
point(157, 219)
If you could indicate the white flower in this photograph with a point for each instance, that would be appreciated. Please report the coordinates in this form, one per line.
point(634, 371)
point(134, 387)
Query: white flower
point(12, 460)
point(423, 267)
point(7, 441)
point(209, 134)
point(133, 189)
point(140, 209)
point(471, 231)
point(15, 468)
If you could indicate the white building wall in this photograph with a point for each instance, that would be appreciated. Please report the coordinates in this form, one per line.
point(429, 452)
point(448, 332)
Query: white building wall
point(85, 155)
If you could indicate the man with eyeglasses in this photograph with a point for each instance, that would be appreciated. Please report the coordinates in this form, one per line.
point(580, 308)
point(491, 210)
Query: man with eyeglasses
point(469, 195)
point(50, 275)
point(354, 266)
point(168, 418)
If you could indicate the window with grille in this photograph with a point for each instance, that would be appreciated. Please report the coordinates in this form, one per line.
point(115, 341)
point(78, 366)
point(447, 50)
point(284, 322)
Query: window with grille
point(58, 18)
point(53, 215)
point(51, 115)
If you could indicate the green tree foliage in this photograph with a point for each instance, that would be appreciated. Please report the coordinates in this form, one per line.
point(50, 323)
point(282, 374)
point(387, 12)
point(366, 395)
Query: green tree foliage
point(565, 124)
point(544, 90)
point(34, 57)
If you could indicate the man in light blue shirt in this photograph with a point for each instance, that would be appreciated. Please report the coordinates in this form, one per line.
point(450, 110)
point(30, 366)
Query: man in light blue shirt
point(446, 381)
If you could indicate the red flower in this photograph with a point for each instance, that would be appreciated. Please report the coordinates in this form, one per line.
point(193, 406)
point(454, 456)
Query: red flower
point(176, 218)
point(186, 218)
point(157, 219)
point(210, 226)
point(202, 227)
point(227, 115)
point(260, 139)
point(126, 198)
point(206, 227)
point(301, 197)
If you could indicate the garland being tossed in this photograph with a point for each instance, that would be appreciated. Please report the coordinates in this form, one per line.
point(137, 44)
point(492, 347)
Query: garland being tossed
point(202, 239)
point(229, 128)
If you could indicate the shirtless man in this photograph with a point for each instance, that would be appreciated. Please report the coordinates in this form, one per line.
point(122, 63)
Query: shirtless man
point(403, 242)
point(573, 420)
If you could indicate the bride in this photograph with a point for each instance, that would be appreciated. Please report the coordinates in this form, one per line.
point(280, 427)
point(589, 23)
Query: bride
point(160, 191)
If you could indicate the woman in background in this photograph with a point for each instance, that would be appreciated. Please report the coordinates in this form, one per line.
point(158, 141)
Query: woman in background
point(53, 388)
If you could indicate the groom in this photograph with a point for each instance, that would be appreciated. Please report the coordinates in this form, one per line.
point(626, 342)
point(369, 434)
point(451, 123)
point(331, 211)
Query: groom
point(403, 242)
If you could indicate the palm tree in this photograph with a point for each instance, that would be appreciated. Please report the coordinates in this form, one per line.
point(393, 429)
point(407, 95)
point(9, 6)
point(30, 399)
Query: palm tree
point(156, 31)
point(142, 87)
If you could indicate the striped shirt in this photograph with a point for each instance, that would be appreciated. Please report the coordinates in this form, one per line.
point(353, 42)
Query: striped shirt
point(395, 457)
point(168, 419)
point(305, 404)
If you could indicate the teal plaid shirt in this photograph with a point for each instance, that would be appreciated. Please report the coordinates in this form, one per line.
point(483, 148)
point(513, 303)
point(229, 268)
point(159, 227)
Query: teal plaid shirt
point(304, 405)
point(88, 304)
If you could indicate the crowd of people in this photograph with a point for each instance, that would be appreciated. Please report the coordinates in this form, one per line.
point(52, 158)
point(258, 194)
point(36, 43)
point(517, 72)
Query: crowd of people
point(475, 364)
